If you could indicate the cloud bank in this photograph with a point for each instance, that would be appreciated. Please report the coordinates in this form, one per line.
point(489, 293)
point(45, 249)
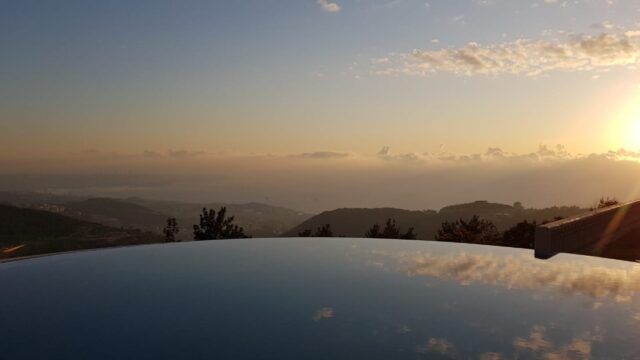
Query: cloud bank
point(569, 52)
point(524, 272)
point(325, 180)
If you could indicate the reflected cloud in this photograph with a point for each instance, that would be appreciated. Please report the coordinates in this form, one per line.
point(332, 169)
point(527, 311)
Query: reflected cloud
point(492, 356)
point(324, 313)
point(578, 348)
point(524, 272)
point(439, 346)
point(535, 342)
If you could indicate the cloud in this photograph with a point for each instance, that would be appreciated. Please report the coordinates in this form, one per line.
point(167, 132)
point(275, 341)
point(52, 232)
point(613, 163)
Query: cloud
point(536, 341)
point(439, 346)
point(525, 272)
point(578, 348)
point(325, 180)
point(323, 313)
point(572, 52)
point(322, 155)
point(329, 6)
point(383, 60)
point(183, 154)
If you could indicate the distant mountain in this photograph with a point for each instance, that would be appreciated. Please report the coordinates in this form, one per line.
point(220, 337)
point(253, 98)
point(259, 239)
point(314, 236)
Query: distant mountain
point(28, 199)
point(28, 232)
point(258, 220)
point(116, 213)
point(355, 222)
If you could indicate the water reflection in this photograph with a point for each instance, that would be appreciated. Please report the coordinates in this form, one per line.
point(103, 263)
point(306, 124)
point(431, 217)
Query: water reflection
point(520, 272)
point(538, 344)
point(439, 346)
point(320, 299)
point(324, 313)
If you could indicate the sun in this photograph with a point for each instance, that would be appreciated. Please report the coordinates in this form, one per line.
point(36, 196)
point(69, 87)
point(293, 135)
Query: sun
point(625, 126)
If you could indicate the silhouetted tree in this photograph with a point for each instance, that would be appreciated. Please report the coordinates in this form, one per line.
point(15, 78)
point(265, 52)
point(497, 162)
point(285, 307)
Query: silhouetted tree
point(520, 235)
point(324, 231)
point(603, 203)
point(171, 230)
point(474, 231)
point(217, 226)
point(518, 206)
point(390, 231)
point(305, 233)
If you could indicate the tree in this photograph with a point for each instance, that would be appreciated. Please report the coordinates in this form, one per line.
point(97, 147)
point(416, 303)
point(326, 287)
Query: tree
point(520, 235)
point(305, 233)
point(390, 231)
point(474, 231)
point(217, 226)
point(607, 202)
point(171, 230)
point(321, 231)
point(324, 231)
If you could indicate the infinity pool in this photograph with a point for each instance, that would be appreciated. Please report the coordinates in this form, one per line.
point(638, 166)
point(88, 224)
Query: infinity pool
point(310, 298)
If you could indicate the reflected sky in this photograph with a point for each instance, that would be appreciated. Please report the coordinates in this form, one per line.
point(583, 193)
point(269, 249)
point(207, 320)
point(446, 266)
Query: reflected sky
point(521, 271)
point(318, 299)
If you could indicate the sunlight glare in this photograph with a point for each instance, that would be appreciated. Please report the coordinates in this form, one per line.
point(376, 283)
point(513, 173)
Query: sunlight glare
point(625, 129)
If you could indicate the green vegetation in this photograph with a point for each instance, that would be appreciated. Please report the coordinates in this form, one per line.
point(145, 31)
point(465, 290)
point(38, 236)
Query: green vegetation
point(474, 231)
point(259, 220)
point(321, 231)
point(216, 226)
point(64, 227)
point(521, 235)
point(116, 213)
point(603, 203)
point(171, 230)
point(390, 231)
point(26, 232)
point(426, 223)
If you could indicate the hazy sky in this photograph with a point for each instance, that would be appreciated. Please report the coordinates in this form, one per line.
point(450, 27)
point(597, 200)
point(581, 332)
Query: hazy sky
point(269, 78)
point(292, 76)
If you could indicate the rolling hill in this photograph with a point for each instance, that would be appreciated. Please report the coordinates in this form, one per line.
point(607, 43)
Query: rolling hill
point(258, 220)
point(30, 232)
point(116, 213)
point(355, 222)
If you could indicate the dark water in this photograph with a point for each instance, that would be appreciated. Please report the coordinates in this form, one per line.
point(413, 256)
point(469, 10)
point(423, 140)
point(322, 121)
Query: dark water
point(318, 299)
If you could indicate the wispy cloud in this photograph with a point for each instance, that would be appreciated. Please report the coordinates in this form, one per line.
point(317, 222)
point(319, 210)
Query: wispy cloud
point(322, 155)
point(570, 52)
point(578, 348)
point(524, 272)
point(439, 346)
point(329, 6)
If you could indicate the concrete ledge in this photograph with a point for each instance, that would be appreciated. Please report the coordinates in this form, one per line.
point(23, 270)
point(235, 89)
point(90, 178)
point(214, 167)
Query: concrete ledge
point(586, 233)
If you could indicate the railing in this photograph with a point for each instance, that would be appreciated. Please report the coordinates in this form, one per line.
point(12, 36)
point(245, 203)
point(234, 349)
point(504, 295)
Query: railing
point(586, 233)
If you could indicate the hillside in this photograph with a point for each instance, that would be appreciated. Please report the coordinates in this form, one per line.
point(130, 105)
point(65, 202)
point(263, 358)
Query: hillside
point(258, 220)
point(29, 232)
point(116, 213)
point(355, 222)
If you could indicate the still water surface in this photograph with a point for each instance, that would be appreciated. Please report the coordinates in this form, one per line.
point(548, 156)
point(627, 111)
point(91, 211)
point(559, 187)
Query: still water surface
point(318, 299)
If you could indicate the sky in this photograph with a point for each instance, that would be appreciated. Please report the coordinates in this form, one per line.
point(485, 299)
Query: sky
point(254, 90)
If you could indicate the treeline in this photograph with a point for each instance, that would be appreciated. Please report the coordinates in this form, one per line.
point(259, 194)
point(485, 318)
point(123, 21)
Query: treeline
point(473, 231)
point(212, 226)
